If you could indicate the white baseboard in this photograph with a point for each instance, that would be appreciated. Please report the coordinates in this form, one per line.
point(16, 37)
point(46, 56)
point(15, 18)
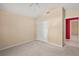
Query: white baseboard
point(53, 44)
point(13, 45)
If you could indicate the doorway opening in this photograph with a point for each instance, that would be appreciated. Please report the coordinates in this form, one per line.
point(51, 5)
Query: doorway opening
point(72, 31)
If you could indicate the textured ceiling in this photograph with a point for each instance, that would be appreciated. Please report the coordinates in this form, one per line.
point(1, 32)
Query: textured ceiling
point(34, 10)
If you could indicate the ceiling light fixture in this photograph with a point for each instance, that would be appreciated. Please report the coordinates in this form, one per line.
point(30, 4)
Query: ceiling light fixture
point(34, 5)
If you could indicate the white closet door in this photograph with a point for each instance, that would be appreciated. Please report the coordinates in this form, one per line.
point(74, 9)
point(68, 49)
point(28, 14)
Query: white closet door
point(42, 31)
point(45, 30)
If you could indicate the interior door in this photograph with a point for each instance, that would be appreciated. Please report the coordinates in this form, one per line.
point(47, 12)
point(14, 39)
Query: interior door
point(42, 31)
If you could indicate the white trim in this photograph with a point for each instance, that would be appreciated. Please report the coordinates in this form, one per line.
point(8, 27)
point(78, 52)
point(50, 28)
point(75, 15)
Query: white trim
point(53, 44)
point(13, 45)
point(78, 32)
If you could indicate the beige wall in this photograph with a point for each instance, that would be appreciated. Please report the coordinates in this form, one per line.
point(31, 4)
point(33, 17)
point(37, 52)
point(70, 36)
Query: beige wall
point(55, 25)
point(72, 13)
point(15, 29)
point(56, 34)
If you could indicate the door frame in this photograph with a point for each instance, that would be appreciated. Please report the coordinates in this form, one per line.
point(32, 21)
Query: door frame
point(68, 26)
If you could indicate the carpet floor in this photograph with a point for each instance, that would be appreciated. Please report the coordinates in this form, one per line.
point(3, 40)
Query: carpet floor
point(38, 48)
